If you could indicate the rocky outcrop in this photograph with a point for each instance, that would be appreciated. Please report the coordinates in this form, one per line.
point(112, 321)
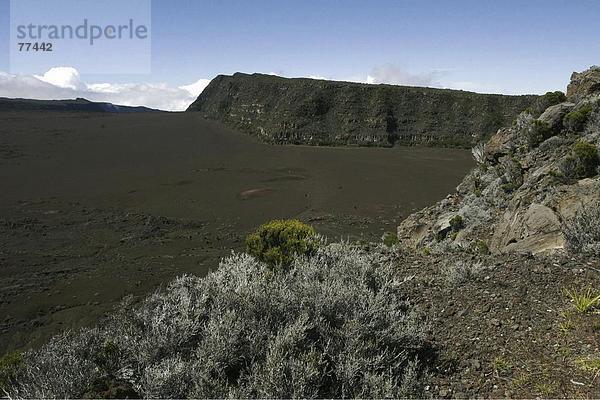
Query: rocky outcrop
point(319, 112)
point(584, 83)
point(525, 187)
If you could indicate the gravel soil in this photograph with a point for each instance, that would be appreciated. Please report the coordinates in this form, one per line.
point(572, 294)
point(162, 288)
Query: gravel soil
point(506, 327)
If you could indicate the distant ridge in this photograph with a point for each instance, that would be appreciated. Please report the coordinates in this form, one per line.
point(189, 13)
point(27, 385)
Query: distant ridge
point(320, 112)
point(79, 104)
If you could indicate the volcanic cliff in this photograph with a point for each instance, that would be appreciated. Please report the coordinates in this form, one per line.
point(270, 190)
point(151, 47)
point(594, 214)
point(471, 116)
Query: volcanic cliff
point(319, 112)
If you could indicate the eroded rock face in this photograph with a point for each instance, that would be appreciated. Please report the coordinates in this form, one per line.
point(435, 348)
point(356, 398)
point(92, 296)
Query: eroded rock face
point(499, 145)
point(534, 229)
point(519, 198)
point(319, 112)
point(584, 83)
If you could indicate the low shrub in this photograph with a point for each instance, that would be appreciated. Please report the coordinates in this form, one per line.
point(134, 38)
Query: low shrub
point(458, 272)
point(576, 120)
point(545, 101)
point(583, 161)
point(11, 365)
point(279, 241)
point(336, 324)
point(582, 232)
point(537, 133)
point(553, 98)
point(390, 239)
point(480, 247)
point(457, 223)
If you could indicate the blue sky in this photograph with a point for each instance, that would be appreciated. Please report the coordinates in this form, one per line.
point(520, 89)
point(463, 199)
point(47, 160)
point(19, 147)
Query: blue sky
point(507, 46)
point(513, 45)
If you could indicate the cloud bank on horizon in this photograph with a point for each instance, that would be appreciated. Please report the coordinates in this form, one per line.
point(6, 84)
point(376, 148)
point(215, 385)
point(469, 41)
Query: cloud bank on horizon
point(66, 83)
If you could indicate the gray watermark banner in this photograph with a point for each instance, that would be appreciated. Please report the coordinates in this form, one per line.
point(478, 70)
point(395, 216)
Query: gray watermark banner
point(94, 36)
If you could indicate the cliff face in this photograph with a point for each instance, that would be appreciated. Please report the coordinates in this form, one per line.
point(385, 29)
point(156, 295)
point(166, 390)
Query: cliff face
point(319, 112)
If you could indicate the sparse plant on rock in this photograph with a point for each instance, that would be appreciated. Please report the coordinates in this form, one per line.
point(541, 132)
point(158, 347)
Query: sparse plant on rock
point(582, 232)
point(547, 100)
point(11, 366)
point(390, 239)
point(511, 174)
point(457, 223)
point(553, 98)
point(278, 242)
point(537, 133)
point(583, 161)
point(584, 300)
point(523, 121)
point(461, 271)
point(481, 247)
point(478, 153)
point(576, 120)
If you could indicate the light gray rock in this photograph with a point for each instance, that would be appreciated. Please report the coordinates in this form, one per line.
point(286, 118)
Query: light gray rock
point(535, 229)
point(554, 115)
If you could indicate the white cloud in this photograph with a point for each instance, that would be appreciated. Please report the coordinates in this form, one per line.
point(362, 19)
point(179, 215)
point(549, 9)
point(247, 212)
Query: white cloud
point(395, 75)
point(197, 87)
point(65, 83)
point(63, 77)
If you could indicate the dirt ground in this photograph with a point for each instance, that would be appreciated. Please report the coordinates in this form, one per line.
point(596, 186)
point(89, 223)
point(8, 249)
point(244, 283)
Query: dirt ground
point(94, 207)
point(508, 328)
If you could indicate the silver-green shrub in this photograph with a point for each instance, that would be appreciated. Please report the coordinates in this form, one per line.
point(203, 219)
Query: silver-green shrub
point(582, 232)
point(334, 325)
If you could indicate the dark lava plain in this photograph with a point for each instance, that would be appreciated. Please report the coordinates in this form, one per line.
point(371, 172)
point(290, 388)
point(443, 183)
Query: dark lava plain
point(95, 207)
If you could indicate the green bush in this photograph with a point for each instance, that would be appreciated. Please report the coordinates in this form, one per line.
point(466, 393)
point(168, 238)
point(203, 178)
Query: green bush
point(553, 98)
point(545, 101)
point(390, 239)
point(457, 223)
point(538, 133)
point(575, 120)
point(481, 247)
point(583, 161)
point(278, 241)
point(10, 366)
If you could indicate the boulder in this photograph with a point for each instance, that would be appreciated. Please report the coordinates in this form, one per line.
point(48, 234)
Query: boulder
point(554, 115)
point(534, 230)
point(411, 232)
